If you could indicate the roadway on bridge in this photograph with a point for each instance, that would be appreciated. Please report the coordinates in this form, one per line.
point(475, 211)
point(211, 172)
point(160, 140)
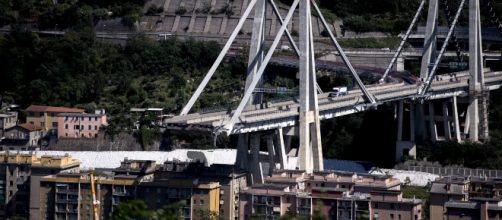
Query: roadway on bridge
point(270, 116)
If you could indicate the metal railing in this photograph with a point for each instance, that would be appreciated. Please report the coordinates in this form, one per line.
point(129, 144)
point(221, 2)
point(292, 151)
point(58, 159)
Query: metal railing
point(458, 171)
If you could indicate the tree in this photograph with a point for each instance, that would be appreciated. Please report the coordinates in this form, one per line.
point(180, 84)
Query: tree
point(132, 210)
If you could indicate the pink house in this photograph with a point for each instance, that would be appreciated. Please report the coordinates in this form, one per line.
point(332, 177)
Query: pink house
point(80, 125)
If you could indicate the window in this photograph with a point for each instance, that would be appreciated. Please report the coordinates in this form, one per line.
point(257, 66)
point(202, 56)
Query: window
point(391, 216)
point(95, 127)
point(95, 118)
point(66, 134)
point(202, 202)
point(81, 127)
point(90, 118)
point(82, 118)
point(31, 122)
point(32, 114)
point(76, 127)
point(54, 124)
point(66, 118)
point(42, 124)
point(90, 127)
point(66, 126)
point(376, 205)
point(82, 135)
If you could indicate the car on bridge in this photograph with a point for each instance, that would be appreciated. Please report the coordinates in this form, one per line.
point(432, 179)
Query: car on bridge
point(338, 91)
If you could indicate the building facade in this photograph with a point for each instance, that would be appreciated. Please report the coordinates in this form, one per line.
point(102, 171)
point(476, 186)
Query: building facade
point(201, 191)
point(332, 195)
point(80, 125)
point(7, 120)
point(26, 134)
point(19, 176)
point(466, 198)
point(46, 116)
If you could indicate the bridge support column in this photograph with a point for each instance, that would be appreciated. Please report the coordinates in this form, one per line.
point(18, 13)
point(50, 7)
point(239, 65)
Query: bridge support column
point(271, 154)
point(432, 123)
point(446, 121)
point(405, 148)
point(421, 131)
point(485, 134)
point(400, 64)
point(476, 81)
point(256, 49)
point(281, 149)
point(429, 53)
point(456, 120)
point(310, 150)
point(242, 151)
point(256, 167)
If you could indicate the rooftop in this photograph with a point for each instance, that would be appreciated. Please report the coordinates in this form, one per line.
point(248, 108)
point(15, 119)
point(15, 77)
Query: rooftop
point(30, 127)
point(38, 161)
point(7, 114)
point(461, 204)
point(42, 108)
point(81, 114)
point(113, 159)
point(447, 188)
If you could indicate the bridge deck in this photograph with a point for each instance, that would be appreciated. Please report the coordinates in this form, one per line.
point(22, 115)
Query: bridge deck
point(283, 114)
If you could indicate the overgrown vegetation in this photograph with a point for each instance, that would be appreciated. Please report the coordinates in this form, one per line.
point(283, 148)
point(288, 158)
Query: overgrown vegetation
point(137, 209)
point(388, 16)
point(68, 13)
point(472, 155)
point(77, 70)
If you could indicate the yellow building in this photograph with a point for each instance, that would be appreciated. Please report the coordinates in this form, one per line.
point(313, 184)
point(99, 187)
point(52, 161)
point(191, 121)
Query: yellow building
point(46, 116)
point(20, 175)
point(69, 196)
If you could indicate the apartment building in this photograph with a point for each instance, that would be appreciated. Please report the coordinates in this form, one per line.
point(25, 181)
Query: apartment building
point(27, 135)
point(444, 190)
point(7, 120)
point(203, 190)
point(466, 198)
point(46, 116)
point(19, 176)
point(80, 125)
point(230, 180)
point(333, 195)
point(69, 195)
point(475, 209)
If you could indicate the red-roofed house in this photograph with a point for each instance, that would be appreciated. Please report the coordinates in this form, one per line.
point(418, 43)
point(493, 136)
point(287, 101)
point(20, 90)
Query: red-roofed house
point(46, 116)
point(23, 135)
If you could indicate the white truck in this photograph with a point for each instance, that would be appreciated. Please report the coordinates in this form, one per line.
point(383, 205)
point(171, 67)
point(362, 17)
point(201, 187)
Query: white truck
point(338, 91)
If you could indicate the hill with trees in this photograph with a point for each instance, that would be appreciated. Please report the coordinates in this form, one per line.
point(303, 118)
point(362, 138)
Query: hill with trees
point(76, 70)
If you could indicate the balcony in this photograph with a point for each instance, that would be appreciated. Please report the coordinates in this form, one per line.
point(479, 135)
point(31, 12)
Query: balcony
point(61, 210)
point(61, 200)
point(122, 193)
point(67, 191)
